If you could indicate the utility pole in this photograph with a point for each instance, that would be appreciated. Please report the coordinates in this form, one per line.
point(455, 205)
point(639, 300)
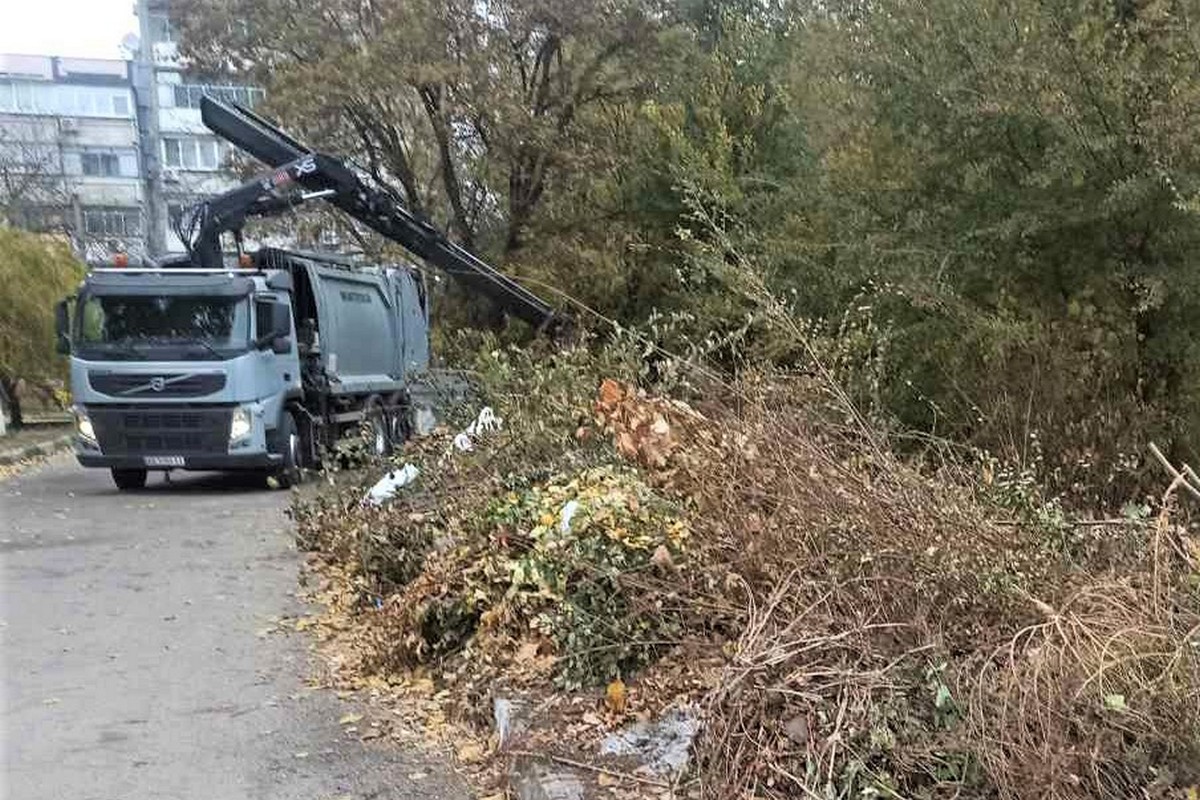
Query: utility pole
point(145, 92)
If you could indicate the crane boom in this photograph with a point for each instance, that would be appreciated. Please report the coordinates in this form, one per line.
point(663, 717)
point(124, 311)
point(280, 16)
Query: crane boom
point(322, 176)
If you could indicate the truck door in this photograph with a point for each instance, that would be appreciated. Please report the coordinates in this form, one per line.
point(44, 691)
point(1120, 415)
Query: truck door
point(278, 362)
point(414, 323)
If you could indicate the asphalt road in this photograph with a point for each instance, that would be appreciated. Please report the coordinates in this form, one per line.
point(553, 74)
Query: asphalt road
point(133, 665)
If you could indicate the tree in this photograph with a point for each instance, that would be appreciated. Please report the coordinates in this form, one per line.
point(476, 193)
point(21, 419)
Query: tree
point(32, 192)
point(468, 110)
point(35, 272)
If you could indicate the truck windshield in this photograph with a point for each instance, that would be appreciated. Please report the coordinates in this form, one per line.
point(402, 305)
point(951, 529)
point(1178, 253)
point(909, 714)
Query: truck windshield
point(164, 327)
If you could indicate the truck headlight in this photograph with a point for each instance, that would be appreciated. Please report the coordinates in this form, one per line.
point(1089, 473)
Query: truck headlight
point(84, 429)
point(239, 427)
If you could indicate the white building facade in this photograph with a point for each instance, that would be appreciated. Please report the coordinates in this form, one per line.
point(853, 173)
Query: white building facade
point(188, 163)
point(110, 152)
point(70, 156)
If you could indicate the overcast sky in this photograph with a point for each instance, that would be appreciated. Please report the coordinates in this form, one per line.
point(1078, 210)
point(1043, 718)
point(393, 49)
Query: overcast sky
point(91, 28)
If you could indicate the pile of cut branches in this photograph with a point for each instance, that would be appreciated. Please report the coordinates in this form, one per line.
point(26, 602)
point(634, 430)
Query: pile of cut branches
point(865, 628)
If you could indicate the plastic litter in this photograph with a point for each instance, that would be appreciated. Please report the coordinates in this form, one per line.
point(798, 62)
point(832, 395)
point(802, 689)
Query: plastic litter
point(486, 422)
point(387, 486)
point(538, 779)
point(662, 746)
point(510, 717)
point(565, 516)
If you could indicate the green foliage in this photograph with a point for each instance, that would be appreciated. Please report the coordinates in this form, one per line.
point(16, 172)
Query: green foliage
point(980, 217)
point(35, 273)
point(512, 565)
point(569, 574)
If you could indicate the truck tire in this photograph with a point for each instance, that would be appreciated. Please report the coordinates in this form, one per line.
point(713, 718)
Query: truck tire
point(127, 479)
point(291, 472)
point(400, 424)
point(380, 435)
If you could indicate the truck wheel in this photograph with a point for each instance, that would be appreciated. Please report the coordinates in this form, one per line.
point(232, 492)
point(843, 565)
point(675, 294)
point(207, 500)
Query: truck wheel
point(291, 472)
point(380, 435)
point(126, 479)
point(400, 425)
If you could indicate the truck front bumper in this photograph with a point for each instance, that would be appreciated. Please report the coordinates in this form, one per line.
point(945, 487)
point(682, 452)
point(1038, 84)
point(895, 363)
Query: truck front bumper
point(171, 436)
point(229, 461)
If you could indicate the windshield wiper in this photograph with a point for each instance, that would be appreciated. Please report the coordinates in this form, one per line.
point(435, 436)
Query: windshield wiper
point(184, 340)
point(205, 345)
point(121, 347)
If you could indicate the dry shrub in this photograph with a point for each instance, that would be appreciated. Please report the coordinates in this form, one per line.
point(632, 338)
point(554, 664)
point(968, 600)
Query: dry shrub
point(894, 641)
point(1101, 699)
point(363, 538)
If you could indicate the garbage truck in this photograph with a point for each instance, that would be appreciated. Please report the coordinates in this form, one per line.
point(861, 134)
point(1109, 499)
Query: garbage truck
point(224, 359)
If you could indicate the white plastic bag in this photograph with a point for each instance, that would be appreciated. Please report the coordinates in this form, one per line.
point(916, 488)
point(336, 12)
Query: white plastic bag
point(389, 484)
point(487, 421)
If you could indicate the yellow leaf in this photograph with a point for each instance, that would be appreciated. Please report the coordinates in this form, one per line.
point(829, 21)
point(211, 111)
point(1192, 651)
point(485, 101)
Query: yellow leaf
point(527, 652)
point(615, 696)
point(350, 719)
point(470, 753)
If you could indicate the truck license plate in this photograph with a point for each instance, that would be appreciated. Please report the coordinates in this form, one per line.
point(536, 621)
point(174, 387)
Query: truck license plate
point(163, 461)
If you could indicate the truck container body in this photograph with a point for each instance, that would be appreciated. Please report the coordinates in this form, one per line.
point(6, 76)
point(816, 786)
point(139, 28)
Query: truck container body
point(373, 327)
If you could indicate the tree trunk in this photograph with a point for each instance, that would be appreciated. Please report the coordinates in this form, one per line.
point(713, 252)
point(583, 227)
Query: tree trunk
point(8, 388)
point(431, 97)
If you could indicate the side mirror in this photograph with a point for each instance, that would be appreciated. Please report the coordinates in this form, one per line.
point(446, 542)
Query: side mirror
point(281, 319)
point(280, 323)
point(62, 328)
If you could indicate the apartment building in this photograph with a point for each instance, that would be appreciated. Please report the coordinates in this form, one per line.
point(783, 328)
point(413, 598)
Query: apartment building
point(187, 162)
point(70, 151)
point(110, 152)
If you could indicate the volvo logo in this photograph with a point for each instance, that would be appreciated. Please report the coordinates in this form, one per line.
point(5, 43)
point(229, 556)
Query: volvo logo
point(157, 383)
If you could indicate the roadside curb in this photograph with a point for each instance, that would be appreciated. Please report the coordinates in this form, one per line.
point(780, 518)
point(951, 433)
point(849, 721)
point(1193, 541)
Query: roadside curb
point(46, 448)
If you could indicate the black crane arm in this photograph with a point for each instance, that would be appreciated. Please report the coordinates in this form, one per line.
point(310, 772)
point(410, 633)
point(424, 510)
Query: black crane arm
point(320, 176)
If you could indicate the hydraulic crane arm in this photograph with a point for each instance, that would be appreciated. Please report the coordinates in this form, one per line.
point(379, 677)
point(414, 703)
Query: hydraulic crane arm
point(322, 176)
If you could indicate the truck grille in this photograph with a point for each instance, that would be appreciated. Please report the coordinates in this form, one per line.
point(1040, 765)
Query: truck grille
point(155, 430)
point(179, 384)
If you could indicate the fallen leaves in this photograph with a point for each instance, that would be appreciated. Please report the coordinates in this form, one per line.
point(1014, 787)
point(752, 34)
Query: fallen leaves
point(645, 430)
point(616, 696)
point(470, 753)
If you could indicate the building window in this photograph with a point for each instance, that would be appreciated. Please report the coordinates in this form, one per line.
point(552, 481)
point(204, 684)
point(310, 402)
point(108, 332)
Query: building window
point(193, 152)
point(175, 214)
point(28, 158)
point(172, 152)
point(187, 95)
point(105, 165)
point(40, 97)
point(120, 222)
point(40, 219)
point(160, 28)
point(102, 163)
